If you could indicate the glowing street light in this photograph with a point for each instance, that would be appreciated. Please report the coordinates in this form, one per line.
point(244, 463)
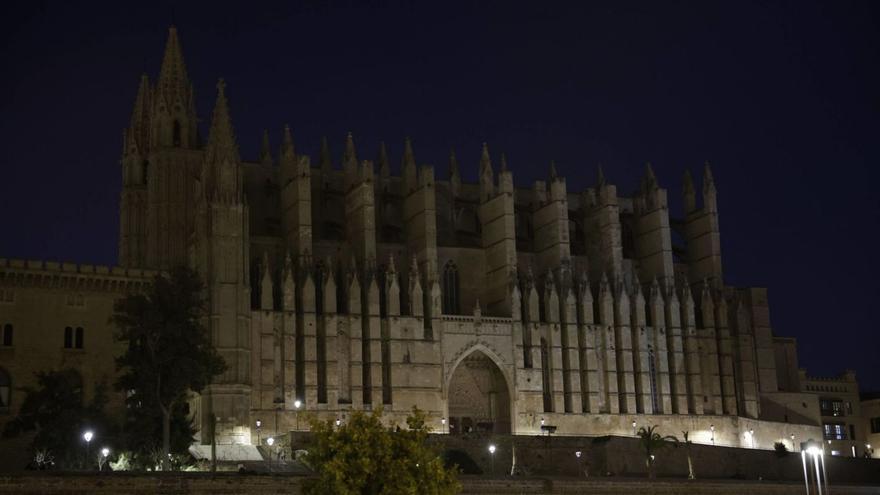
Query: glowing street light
point(712, 429)
point(104, 453)
point(492, 455)
point(338, 422)
point(634, 427)
point(297, 404)
point(259, 424)
point(87, 436)
point(443, 422)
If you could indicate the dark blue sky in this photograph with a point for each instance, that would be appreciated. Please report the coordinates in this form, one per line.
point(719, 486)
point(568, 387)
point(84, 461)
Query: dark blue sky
point(782, 98)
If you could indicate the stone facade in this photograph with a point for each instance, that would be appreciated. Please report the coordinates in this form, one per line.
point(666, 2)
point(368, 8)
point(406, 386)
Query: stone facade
point(493, 307)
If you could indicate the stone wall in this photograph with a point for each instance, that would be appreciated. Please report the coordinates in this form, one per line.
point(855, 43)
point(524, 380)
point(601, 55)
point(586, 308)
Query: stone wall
point(223, 484)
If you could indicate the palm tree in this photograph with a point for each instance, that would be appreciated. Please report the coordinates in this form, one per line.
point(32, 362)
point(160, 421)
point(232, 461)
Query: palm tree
point(653, 442)
point(687, 450)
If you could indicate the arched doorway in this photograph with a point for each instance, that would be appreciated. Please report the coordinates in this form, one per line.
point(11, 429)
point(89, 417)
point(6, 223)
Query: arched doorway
point(478, 397)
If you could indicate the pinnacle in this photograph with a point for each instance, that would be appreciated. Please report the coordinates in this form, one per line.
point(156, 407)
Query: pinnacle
point(326, 162)
point(600, 176)
point(453, 164)
point(503, 162)
point(688, 182)
point(485, 161)
point(265, 152)
point(349, 156)
point(708, 180)
point(287, 148)
point(409, 160)
point(173, 82)
point(221, 137)
point(553, 174)
point(382, 159)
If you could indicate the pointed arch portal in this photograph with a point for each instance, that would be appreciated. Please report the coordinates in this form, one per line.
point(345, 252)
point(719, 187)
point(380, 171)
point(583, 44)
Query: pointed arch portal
point(478, 399)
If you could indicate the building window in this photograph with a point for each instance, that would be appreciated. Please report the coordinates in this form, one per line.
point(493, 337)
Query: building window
point(7, 335)
point(5, 390)
point(79, 338)
point(176, 134)
point(831, 407)
point(652, 368)
point(450, 289)
point(834, 431)
point(68, 338)
point(875, 425)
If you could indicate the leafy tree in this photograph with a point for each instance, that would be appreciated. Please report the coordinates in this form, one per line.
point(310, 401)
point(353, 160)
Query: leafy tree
point(362, 456)
point(169, 351)
point(56, 409)
point(652, 442)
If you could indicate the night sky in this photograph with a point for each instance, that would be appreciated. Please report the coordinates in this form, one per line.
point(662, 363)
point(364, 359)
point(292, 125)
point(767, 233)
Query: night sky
point(781, 98)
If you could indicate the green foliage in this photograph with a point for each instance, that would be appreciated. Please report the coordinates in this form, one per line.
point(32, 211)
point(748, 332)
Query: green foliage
point(364, 457)
point(56, 409)
point(169, 354)
point(652, 442)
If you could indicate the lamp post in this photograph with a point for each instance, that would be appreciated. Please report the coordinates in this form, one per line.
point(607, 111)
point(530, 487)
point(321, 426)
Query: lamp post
point(104, 453)
point(259, 425)
point(338, 422)
point(792, 443)
point(297, 404)
point(634, 427)
point(443, 425)
point(751, 434)
point(270, 441)
point(578, 454)
point(492, 456)
point(87, 436)
point(712, 429)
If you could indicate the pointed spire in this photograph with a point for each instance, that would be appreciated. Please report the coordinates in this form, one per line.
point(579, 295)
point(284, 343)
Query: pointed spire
point(649, 180)
point(503, 162)
point(173, 85)
point(708, 179)
point(553, 174)
point(265, 152)
point(600, 176)
point(139, 127)
point(221, 154)
point(485, 160)
point(392, 268)
point(326, 162)
point(349, 155)
point(382, 160)
point(288, 151)
point(408, 167)
point(710, 194)
point(690, 197)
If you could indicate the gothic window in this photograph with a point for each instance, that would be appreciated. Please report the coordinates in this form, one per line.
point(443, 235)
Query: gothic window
point(79, 338)
point(7, 335)
point(655, 402)
point(5, 390)
point(450, 289)
point(545, 376)
point(68, 338)
point(319, 288)
point(176, 134)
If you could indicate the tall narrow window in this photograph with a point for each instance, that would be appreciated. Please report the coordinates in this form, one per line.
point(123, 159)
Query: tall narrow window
point(450, 289)
point(68, 338)
point(176, 134)
point(79, 337)
point(5, 390)
point(545, 375)
point(7, 335)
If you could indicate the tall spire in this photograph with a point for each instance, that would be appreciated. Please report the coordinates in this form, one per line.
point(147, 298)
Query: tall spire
point(221, 154)
point(326, 162)
point(453, 165)
point(503, 162)
point(408, 166)
point(139, 127)
point(173, 86)
point(649, 180)
point(553, 174)
point(487, 185)
point(485, 160)
point(382, 160)
point(710, 194)
point(349, 162)
point(288, 150)
point(600, 176)
point(287, 157)
point(265, 151)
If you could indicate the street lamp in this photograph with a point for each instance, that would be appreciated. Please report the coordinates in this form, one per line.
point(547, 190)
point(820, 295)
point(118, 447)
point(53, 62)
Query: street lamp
point(338, 422)
point(259, 425)
point(104, 453)
point(297, 404)
point(443, 423)
point(712, 429)
point(751, 435)
point(87, 436)
point(270, 441)
point(492, 455)
point(578, 454)
point(792, 442)
point(634, 427)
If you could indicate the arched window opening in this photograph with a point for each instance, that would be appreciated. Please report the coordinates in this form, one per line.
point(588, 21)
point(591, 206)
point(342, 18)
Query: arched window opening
point(383, 296)
point(7, 335)
point(175, 137)
point(545, 376)
point(5, 390)
point(319, 288)
point(68, 338)
point(79, 338)
point(450, 289)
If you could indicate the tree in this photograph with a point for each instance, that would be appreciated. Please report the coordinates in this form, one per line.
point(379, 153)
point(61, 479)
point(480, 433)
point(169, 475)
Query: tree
point(687, 451)
point(169, 352)
point(652, 442)
point(361, 456)
point(59, 413)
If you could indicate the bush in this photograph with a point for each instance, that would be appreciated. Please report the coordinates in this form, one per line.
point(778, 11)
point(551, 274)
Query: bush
point(781, 449)
point(460, 459)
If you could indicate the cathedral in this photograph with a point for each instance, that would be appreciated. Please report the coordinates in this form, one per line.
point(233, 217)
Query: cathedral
point(333, 286)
